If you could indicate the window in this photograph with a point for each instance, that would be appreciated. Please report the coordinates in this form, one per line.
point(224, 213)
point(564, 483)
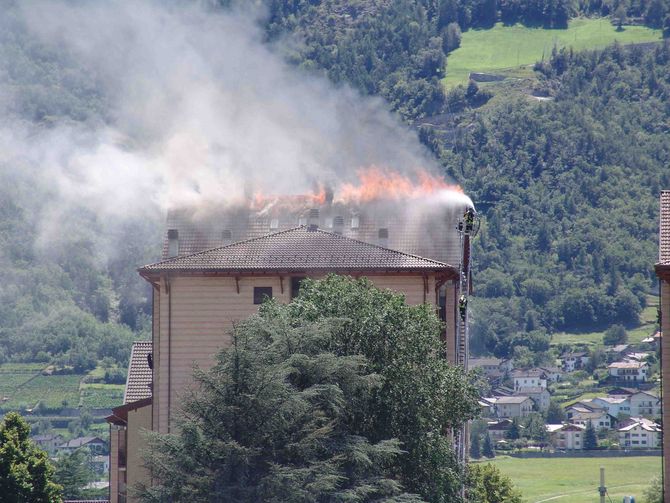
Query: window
point(261, 293)
point(295, 285)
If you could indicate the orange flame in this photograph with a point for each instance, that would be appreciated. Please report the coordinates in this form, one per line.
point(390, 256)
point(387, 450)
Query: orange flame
point(317, 198)
point(375, 184)
point(378, 184)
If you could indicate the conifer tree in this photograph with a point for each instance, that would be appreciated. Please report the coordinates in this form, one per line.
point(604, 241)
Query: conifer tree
point(514, 431)
point(342, 395)
point(487, 449)
point(475, 451)
point(590, 437)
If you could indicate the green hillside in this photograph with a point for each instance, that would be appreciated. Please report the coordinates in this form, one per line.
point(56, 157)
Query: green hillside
point(510, 47)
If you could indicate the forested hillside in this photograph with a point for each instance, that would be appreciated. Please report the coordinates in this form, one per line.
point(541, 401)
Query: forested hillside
point(567, 189)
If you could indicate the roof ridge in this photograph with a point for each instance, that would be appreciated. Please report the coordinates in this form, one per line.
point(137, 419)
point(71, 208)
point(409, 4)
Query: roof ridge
point(381, 247)
point(201, 252)
point(287, 231)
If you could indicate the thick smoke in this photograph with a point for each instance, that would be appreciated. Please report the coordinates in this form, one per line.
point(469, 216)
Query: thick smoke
point(202, 112)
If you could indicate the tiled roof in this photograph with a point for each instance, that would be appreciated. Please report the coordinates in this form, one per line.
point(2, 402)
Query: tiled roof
point(485, 360)
point(511, 399)
point(81, 441)
point(626, 365)
point(138, 384)
point(529, 373)
point(641, 422)
point(297, 249)
point(664, 238)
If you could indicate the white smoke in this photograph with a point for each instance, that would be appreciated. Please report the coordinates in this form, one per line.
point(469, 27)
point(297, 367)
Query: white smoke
point(201, 109)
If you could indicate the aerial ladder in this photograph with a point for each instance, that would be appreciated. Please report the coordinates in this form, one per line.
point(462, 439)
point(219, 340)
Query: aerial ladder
point(468, 227)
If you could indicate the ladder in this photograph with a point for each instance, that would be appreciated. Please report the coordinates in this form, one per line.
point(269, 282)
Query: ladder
point(467, 228)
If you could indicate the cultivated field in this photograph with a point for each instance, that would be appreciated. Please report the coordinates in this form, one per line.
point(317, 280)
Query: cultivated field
point(23, 386)
point(508, 47)
point(575, 480)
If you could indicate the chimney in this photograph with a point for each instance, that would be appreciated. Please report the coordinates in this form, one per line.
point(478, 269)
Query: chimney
point(329, 195)
point(313, 219)
point(226, 237)
point(173, 243)
point(355, 222)
point(338, 224)
point(383, 237)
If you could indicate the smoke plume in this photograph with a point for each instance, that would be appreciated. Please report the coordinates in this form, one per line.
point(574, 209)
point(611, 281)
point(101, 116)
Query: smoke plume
point(200, 111)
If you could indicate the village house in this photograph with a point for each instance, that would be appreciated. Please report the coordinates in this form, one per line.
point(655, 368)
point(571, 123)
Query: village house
point(653, 342)
point(645, 404)
point(614, 406)
point(209, 279)
point(493, 368)
point(629, 371)
point(566, 436)
point(585, 412)
point(539, 395)
point(662, 268)
point(554, 374)
point(639, 433)
point(95, 444)
point(514, 406)
point(529, 378)
point(488, 407)
point(637, 356)
point(498, 429)
point(618, 352)
point(574, 361)
point(48, 442)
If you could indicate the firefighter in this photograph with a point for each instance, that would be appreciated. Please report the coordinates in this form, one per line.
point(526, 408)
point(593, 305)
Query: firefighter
point(462, 306)
point(469, 219)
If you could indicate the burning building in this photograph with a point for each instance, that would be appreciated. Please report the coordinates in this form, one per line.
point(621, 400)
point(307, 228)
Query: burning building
point(217, 266)
point(663, 273)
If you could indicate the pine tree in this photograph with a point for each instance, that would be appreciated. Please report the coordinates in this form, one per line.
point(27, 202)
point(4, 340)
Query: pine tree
point(514, 431)
point(590, 438)
point(73, 473)
point(475, 451)
point(488, 450)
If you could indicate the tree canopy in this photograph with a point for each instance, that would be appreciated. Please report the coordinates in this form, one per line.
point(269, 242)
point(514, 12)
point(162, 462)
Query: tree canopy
point(344, 393)
point(25, 471)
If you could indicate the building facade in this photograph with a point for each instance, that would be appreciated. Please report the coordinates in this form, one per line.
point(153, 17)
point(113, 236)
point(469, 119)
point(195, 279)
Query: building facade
point(198, 295)
point(663, 273)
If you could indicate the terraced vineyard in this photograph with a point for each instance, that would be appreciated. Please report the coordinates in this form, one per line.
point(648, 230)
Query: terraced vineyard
point(102, 396)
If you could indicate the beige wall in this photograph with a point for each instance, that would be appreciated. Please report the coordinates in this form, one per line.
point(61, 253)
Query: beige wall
point(199, 314)
point(114, 463)
point(665, 350)
point(139, 420)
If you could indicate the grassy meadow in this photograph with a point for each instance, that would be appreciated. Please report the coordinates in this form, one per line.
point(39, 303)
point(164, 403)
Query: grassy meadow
point(635, 334)
point(509, 47)
point(575, 480)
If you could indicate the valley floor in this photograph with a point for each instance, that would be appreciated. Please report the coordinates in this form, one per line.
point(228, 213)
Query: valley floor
point(576, 479)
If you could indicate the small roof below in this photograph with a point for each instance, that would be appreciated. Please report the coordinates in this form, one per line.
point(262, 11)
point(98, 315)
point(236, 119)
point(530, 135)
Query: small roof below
point(298, 249)
point(138, 383)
